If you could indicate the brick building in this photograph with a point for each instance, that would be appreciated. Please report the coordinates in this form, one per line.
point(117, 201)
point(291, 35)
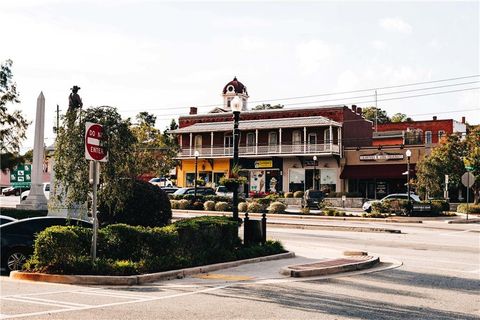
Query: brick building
point(276, 147)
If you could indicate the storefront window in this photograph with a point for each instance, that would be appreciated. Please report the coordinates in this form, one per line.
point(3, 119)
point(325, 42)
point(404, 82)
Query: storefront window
point(296, 179)
point(328, 180)
point(257, 181)
point(189, 177)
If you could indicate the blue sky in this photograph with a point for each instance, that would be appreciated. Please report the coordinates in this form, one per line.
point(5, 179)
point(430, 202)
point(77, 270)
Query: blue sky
point(164, 57)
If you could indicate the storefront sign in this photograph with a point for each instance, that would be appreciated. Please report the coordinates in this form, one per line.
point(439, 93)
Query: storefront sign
point(263, 164)
point(311, 163)
point(381, 156)
point(381, 188)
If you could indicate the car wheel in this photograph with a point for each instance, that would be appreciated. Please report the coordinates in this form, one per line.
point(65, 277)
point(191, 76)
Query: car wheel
point(17, 193)
point(368, 210)
point(15, 259)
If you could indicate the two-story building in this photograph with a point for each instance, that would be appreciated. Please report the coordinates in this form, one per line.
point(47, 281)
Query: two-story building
point(379, 170)
point(276, 147)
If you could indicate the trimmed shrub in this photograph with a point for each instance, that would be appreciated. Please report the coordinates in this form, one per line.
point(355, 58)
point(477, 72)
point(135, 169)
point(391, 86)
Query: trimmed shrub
point(264, 202)
point(215, 198)
point(277, 207)
point(222, 206)
point(472, 208)
point(145, 205)
point(272, 197)
point(209, 205)
point(197, 205)
point(174, 204)
point(305, 210)
point(347, 194)
point(242, 207)
point(288, 194)
point(255, 207)
point(298, 194)
point(183, 204)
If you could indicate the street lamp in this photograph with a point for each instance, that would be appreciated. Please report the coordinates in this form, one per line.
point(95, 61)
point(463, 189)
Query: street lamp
point(236, 105)
point(314, 171)
point(408, 153)
point(196, 173)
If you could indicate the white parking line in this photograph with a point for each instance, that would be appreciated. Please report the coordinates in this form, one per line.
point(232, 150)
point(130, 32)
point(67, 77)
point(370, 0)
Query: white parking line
point(36, 302)
point(67, 304)
point(457, 233)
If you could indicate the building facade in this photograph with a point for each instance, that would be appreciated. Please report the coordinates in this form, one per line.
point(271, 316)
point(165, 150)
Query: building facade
point(276, 147)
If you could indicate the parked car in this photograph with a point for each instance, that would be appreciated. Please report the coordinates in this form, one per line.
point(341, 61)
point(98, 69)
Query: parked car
point(46, 191)
point(161, 182)
point(204, 191)
point(17, 238)
point(6, 219)
point(14, 191)
point(223, 192)
point(367, 206)
point(313, 198)
point(169, 190)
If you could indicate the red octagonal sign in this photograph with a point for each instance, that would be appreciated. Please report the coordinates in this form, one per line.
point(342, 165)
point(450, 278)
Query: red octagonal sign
point(95, 148)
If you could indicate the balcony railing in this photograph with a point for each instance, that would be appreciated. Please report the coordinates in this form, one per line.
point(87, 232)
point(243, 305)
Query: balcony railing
point(284, 149)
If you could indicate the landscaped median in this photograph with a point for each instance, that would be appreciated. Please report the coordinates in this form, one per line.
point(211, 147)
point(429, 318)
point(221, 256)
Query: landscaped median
point(134, 253)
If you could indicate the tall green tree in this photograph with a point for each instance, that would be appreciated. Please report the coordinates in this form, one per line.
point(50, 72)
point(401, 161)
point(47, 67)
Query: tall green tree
point(400, 117)
point(472, 158)
point(148, 145)
point(13, 124)
point(370, 113)
point(71, 167)
point(446, 158)
point(170, 143)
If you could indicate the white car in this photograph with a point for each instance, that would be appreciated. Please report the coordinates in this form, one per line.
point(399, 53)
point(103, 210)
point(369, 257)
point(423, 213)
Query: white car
point(223, 192)
point(161, 182)
point(46, 191)
point(367, 206)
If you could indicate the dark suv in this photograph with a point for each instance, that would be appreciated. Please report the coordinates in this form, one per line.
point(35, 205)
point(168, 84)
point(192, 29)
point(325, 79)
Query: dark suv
point(313, 198)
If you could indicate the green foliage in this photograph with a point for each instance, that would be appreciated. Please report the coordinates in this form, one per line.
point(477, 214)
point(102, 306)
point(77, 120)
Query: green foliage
point(472, 158)
point(298, 194)
point(400, 117)
point(439, 206)
point(268, 106)
point(347, 194)
point(370, 113)
point(270, 247)
point(264, 202)
point(288, 195)
point(22, 214)
point(255, 207)
point(175, 204)
point(13, 125)
point(272, 197)
point(242, 207)
point(305, 210)
point(170, 149)
point(209, 205)
point(222, 206)
point(145, 205)
point(472, 208)
point(148, 159)
point(277, 207)
point(71, 167)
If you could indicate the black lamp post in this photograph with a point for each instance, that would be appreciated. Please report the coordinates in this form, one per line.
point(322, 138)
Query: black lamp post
point(236, 105)
point(314, 171)
point(408, 153)
point(196, 173)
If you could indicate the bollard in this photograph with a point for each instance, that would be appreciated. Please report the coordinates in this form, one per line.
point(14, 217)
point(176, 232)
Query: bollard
point(246, 232)
point(264, 228)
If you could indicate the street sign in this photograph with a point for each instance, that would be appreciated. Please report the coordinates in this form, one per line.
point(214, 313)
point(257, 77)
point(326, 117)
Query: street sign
point(95, 148)
point(468, 179)
point(21, 176)
point(468, 168)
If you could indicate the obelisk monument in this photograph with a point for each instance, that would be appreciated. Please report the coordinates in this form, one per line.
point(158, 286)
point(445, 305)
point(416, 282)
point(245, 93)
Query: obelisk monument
point(36, 199)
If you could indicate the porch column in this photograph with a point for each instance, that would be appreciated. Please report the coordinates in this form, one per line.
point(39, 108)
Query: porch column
point(280, 140)
point(256, 141)
point(191, 143)
point(339, 133)
point(331, 138)
point(211, 143)
point(304, 139)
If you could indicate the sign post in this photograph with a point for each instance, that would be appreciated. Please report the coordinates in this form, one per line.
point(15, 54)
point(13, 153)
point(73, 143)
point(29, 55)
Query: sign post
point(468, 179)
point(95, 150)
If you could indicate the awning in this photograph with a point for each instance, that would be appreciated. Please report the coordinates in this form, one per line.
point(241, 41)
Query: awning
point(379, 171)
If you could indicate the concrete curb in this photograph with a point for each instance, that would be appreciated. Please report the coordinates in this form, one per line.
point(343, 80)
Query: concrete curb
point(140, 279)
point(327, 227)
point(474, 220)
point(330, 270)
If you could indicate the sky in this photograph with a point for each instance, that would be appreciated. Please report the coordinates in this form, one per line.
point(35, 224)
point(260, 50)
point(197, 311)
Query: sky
point(164, 57)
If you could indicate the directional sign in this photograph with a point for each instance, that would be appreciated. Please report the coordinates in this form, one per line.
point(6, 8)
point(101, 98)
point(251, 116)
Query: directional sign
point(95, 147)
point(468, 179)
point(21, 175)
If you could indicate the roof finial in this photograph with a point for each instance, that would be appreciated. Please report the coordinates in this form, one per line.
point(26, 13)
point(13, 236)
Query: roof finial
point(235, 78)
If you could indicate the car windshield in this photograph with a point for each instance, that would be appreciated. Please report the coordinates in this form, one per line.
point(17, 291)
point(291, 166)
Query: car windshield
point(315, 194)
point(181, 191)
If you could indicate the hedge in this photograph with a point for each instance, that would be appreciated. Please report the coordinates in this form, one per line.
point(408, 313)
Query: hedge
point(472, 208)
point(277, 207)
point(347, 194)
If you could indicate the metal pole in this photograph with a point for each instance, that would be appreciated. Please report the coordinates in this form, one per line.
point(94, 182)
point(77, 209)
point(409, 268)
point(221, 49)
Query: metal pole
point(408, 182)
point(314, 173)
point(236, 119)
point(94, 211)
point(468, 191)
point(195, 179)
point(376, 112)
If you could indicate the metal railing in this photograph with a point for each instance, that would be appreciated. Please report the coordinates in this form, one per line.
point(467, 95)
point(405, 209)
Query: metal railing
point(294, 149)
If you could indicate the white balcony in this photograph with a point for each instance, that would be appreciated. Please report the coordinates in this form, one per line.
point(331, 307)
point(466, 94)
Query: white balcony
point(254, 151)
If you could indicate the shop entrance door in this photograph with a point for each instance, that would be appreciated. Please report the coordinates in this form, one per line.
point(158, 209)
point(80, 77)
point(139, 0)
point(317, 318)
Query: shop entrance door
point(367, 189)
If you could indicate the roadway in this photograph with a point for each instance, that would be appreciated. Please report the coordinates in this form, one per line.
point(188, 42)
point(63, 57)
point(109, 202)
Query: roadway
point(430, 271)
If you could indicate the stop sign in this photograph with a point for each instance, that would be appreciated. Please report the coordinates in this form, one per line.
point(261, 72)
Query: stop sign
point(95, 148)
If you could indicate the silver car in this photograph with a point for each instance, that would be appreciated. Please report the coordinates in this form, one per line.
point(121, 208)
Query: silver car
point(367, 206)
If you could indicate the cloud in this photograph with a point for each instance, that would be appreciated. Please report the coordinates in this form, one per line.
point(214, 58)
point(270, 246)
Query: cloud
point(378, 44)
point(395, 24)
point(311, 55)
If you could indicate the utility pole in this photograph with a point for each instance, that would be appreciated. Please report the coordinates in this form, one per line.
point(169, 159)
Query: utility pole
point(376, 112)
point(58, 120)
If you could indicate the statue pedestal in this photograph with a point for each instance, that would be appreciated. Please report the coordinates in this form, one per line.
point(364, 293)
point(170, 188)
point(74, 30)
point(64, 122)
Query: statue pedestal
point(36, 199)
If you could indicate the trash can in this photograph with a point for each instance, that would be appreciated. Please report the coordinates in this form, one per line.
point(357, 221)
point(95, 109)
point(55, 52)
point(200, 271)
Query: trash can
point(253, 231)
